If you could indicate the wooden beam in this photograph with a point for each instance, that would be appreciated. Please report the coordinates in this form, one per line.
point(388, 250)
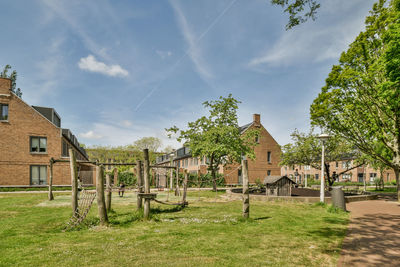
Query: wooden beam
point(246, 196)
point(146, 172)
point(51, 197)
point(100, 196)
point(108, 192)
point(139, 175)
point(74, 181)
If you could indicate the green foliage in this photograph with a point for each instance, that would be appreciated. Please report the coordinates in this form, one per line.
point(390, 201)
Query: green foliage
point(306, 150)
point(13, 78)
point(360, 101)
point(127, 178)
point(153, 144)
point(217, 136)
point(299, 10)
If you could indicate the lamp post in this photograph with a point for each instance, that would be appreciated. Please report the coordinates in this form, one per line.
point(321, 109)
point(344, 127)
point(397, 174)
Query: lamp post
point(323, 138)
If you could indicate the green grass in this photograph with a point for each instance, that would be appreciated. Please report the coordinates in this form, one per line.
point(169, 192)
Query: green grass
point(210, 232)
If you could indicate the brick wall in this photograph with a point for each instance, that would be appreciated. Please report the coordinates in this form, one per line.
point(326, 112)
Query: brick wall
point(258, 168)
point(15, 156)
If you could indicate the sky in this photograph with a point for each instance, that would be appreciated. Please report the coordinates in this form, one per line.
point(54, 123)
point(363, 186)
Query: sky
point(117, 71)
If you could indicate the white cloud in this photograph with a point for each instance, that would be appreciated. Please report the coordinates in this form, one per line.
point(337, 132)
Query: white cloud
point(163, 54)
point(90, 135)
point(126, 123)
point(90, 63)
point(316, 41)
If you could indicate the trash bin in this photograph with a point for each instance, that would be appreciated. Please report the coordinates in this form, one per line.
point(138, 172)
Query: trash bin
point(338, 199)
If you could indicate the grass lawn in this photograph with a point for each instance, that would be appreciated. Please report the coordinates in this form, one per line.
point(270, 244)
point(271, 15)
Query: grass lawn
point(208, 232)
point(385, 190)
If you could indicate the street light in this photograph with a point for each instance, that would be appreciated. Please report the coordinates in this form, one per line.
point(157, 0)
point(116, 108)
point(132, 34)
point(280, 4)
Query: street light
point(323, 138)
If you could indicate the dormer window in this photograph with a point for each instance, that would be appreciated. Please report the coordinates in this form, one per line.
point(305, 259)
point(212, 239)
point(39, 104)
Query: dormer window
point(38, 144)
point(3, 112)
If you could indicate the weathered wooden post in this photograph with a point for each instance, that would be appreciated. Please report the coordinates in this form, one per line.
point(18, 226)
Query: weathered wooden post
point(100, 196)
point(74, 181)
point(185, 182)
point(108, 192)
point(51, 197)
point(246, 197)
point(115, 176)
point(139, 173)
point(177, 191)
point(146, 172)
point(171, 178)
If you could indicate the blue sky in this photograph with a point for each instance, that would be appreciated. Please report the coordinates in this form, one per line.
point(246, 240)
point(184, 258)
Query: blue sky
point(120, 70)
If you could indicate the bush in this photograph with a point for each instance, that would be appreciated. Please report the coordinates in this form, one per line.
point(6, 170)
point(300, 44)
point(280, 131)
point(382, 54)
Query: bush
point(204, 179)
point(127, 178)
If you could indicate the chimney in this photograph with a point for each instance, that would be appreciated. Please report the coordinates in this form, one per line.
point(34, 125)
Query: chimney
point(256, 119)
point(5, 86)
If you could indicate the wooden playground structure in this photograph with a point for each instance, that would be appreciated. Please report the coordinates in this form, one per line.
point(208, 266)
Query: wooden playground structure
point(103, 192)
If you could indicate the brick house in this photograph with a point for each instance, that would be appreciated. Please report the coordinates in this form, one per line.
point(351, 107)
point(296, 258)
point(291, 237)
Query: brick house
point(266, 163)
point(30, 137)
point(299, 172)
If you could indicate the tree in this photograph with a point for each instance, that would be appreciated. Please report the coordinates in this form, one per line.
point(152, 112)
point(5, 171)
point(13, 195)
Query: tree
point(151, 143)
point(13, 78)
point(306, 150)
point(299, 10)
point(217, 136)
point(361, 99)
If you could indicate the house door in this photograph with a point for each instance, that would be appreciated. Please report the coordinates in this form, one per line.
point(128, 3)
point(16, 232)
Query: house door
point(361, 177)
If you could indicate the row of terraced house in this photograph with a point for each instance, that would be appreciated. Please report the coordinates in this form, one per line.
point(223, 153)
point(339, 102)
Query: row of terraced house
point(29, 137)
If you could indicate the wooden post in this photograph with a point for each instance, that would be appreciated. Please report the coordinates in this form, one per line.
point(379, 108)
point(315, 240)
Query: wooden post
point(108, 192)
point(139, 173)
point(185, 182)
point(100, 196)
point(246, 197)
point(51, 197)
point(74, 181)
point(171, 178)
point(115, 176)
point(146, 174)
point(177, 192)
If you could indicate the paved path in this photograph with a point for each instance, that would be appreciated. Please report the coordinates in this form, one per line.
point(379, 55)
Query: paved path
point(373, 237)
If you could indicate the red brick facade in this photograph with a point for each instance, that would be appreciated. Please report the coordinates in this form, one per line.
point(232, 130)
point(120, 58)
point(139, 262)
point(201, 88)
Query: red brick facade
point(258, 168)
point(16, 157)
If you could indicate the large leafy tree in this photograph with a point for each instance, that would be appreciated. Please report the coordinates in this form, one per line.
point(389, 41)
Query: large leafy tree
point(217, 136)
point(306, 150)
point(299, 10)
point(153, 144)
point(13, 78)
point(361, 98)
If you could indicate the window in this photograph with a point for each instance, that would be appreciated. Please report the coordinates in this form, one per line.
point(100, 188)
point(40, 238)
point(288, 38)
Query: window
point(372, 177)
point(307, 167)
point(346, 164)
point(337, 164)
point(346, 176)
point(38, 175)
point(65, 152)
point(257, 139)
point(3, 112)
point(269, 173)
point(316, 176)
point(38, 144)
point(269, 157)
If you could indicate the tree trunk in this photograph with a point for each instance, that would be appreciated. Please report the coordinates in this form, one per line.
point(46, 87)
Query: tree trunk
point(146, 172)
point(101, 205)
point(397, 174)
point(74, 181)
point(115, 176)
point(51, 197)
point(177, 191)
point(246, 196)
point(185, 182)
point(108, 192)
point(214, 180)
point(139, 175)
